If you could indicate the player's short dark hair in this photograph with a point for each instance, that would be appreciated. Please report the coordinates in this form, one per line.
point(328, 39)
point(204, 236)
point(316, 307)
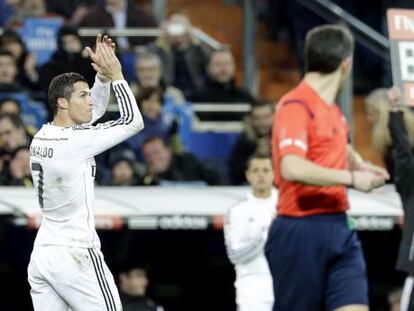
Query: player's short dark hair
point(326, 47)
point(62, 86)
point(256, 156)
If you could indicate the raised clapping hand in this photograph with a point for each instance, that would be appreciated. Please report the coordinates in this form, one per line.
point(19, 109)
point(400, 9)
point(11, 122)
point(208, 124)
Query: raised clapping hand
point(104, 60)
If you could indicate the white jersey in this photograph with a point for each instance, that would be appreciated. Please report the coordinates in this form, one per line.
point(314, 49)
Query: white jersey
point(63, 168)
point(245, 232)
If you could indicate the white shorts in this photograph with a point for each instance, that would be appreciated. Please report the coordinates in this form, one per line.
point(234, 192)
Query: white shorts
point(63, 278)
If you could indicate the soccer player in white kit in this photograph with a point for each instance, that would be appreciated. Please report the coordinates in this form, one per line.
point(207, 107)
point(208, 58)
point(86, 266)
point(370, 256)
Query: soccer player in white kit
point(245, 233)
point(67, 269)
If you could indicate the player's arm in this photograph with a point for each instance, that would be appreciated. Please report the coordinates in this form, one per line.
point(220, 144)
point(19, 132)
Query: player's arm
point(292, 138)
point(244, 239)
point(101, 88)
point(100, 97)
point(89, 140)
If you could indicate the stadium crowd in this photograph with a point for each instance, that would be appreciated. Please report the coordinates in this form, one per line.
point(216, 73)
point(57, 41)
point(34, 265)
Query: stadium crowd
point(167, 75)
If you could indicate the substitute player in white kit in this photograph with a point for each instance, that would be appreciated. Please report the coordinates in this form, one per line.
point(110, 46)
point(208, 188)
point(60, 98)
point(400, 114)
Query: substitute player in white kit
point(245, 233)
point(67, 269)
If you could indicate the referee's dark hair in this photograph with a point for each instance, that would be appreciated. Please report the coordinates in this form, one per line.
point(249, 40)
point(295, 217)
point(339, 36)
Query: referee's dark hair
point(62, 86)
point(326, 47)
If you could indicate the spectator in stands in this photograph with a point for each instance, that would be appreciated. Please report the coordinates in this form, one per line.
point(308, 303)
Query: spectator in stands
point(220, 86)
point(255, 139)
point(18, 170)
point(69, 56)
point(125, 171)
point(73, 11)
point(12, 133)
point(376, 104)
point(10, 106)
point(133, 283)
point(119, 167)
point(4, 158)
point(9, 73)
point(165, 168)
point(28, 9)
point(183, 58)
point(6, 10)
point(148, 70)
point(120, 14)
point(150, 102)
point(27, 76)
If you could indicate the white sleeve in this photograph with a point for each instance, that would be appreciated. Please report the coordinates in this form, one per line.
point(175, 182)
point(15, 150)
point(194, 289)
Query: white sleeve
point(87, 141)
point(244, 237)
point(100, 97)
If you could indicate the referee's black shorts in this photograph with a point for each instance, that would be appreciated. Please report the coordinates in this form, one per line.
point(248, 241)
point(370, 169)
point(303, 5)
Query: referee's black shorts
point(316, 263)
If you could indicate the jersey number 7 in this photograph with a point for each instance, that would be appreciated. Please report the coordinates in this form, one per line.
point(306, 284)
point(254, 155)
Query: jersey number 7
point(36, 167)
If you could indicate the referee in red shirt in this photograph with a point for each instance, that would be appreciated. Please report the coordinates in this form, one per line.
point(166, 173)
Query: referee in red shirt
point(315, 259)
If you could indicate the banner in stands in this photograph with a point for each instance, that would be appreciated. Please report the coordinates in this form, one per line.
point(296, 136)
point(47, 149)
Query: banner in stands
point(197, 222)
point(401, 35)
point(40, 36)
point(189, 208)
